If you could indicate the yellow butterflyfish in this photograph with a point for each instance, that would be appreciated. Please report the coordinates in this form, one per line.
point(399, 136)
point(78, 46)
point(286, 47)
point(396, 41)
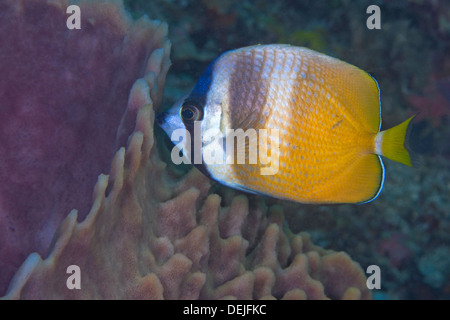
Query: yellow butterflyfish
point(287, 122)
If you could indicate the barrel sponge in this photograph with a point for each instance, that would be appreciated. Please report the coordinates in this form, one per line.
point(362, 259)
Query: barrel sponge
point(63, 111)
point(147, 232)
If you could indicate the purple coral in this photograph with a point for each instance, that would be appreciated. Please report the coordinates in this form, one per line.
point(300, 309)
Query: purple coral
point(63, 94)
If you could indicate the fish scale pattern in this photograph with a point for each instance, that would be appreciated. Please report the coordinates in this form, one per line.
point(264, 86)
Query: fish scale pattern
point(310, 100)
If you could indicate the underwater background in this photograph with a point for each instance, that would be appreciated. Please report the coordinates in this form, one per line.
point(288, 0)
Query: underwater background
point(92, 207)
point(406, 230)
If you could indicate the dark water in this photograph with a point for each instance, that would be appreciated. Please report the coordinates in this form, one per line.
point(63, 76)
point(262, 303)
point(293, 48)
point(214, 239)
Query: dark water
point(406, 231)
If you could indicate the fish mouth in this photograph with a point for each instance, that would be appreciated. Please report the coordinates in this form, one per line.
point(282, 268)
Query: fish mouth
point(161, 118)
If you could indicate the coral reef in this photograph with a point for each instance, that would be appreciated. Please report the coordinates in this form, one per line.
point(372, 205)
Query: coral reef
point(156, 237)
point(409, 58)
point(405, 231)
point(150, 233)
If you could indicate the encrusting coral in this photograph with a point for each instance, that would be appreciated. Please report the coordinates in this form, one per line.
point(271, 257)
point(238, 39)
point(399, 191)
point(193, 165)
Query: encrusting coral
point(151, 234)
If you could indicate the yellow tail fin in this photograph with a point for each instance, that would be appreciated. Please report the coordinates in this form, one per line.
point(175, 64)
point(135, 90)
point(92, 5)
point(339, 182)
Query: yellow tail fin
point(391, 143)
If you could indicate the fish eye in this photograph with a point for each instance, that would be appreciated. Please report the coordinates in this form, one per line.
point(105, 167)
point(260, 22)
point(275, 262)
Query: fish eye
point(190, 112)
